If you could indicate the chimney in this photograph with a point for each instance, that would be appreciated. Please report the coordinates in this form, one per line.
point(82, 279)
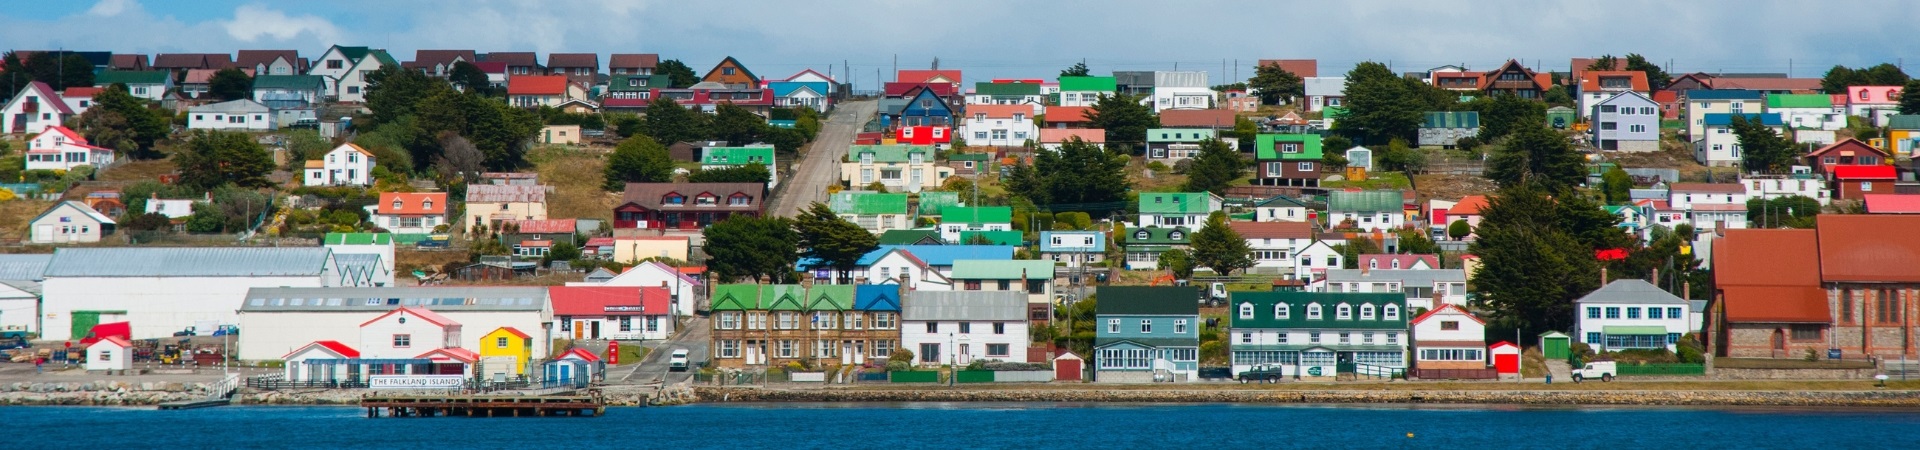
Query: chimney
point(1603, 275)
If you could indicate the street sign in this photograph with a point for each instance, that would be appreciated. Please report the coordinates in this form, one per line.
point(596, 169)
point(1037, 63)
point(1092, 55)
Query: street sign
point(415, 381)
point(1833, 353)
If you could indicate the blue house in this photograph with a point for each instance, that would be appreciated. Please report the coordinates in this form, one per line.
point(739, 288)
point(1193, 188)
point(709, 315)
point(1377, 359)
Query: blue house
point(1147, 334)
point(1073, 247)
point(924, 108)
point(797, 94)
point(879, 306)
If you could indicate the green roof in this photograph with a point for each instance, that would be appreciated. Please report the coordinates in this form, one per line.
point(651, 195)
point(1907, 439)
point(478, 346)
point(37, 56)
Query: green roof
point(1334, 112)
point(736, 297)
point(1157, 236)
point(783, 297)
point(1904, 122)
point(1366, 201)
point(890, 153)
point(352, 53)
point(994, 237)
point(933, 203)
point(1799, 101)
point(385, 59)
point(977, 215)
point(980, 157)
point(1102, 84)
point(1176, 203)
point(983, 269)
point(1179, 134)
point(868, 203)
point(359, 239)
point(1634, 330)
point(289, 82)
point(830, 297)
point(1006, 89)
point(909, 237)
point(130, 77)
point(619, 83)
point(1451, 119)
point(1266, 316)
point(1154, 300)
point(731, 156)
point(1265, 147)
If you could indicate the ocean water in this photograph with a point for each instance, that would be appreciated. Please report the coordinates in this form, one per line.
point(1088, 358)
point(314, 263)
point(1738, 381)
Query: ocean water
point(977, 426)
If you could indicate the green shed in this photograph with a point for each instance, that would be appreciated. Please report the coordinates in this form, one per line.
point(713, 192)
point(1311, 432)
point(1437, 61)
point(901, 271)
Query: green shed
point(1553, 345)
point(1560, 117)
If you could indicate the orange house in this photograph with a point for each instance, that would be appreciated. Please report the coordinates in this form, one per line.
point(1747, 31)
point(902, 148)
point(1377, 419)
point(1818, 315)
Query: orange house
point(731, 72)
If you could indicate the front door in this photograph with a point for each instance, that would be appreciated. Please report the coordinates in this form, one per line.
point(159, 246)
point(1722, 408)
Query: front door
point(596, 329)
point(579, 329)
point(1779, 342)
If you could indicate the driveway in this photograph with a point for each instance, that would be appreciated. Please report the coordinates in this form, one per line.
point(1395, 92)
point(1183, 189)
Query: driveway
point(693, 337)
point(820, 166)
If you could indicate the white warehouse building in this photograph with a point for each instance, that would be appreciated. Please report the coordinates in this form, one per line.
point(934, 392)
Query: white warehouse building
point(162, 290)
point(286, 319)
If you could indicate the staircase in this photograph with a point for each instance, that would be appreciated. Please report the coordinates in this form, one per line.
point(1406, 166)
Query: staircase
point(1559, 369)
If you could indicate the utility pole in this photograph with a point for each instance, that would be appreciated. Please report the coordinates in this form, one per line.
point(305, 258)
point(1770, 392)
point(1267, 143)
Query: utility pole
point(896, 67)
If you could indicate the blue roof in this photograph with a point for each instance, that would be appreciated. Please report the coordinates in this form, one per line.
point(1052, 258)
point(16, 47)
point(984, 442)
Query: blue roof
point(1099, 241)
point(1724, 119)
point(785, 88)
point(942, 255)
point(876, 297)
point(1724, 94)
point(188, 262)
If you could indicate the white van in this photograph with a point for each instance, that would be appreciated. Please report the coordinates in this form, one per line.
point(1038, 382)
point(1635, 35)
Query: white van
point(678, 361)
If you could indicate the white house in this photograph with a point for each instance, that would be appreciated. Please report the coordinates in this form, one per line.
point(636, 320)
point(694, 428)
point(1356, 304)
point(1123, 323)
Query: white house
point(232, 115)
point(1718, 146)
point(1710, 206)
point(1424, 289)
point(1275, 244)
point(70, 222)
point(346, 69)
point(346, 165)
point(955, 219)
point(1316, 259)
point(1630, 314)
point(407, 332)
point(1367, 210)
point(1073, 247)
point(175, 208)
point(1775, 186)
point(1325, 92)
point(902, 267)
point(112, 353)
point(412, 213)
point(1449, 337)
point(683, 291)
point(960, 327)
point(162, 290)
point(60, 148)
point(1280, 208)
point(35, 108)
point(999, 125)
point(1181, 90)
point(306, 363)
point(299, 316)
point(623, 313)
point(1808, 111)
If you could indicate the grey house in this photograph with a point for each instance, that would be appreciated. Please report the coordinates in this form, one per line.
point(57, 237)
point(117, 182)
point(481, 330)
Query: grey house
point(1627, 121)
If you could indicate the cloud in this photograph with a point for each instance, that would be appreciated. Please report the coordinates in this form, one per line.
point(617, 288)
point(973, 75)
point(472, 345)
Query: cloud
point(110, 8)
point(251, 23)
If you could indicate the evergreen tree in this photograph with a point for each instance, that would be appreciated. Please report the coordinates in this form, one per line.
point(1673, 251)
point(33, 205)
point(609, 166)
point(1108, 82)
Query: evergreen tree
point(1220, 248)
point(1537, 154)
point(1078, 69)
point(393, 92)
point(747, 247)
point(1657, 78)
point(677, 73)
point(215, 158)
point(1603, 63)
point(1125, 119)
point(1178, 262)
point(1459, 229)
point(1619, 185)
point(1276, 85)
point(1215, 168)
point(470, 78)
point(638, 159)
point(120, 121)
point(1078, 177)
point(1417, 242)
point(1380, 106)
point(230, 84)
point(1761, 148)
point(669, 123)
point(1533, 265)
point(827, 237)
point(1910, 97)
point(737, 126)
point(750, 173)
point(1503, 113)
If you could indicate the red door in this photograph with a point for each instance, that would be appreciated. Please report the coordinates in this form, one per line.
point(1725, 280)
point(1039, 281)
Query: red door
point(1066, 370)
point(1506, 363)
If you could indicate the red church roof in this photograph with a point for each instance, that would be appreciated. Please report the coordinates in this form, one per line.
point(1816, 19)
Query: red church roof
point(334, 346)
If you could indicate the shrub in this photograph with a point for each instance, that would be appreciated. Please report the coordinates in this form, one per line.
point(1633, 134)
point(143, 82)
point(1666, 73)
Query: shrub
point(894, 365)
point(1157, 166)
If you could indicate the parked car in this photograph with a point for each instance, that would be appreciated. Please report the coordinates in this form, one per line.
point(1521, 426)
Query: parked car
point(1603, 370)
point(677, 362)
point(1264, 372)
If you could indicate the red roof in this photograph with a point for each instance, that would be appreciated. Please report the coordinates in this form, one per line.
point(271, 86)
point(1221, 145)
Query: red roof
point(545, 226)
point(580, 354)
point(455, 354)
point(1868, 248)
point(600, 242)
point(1874, 172)
point(1468, 206)
point(413, 203)
point(334, 346)
point(923, 76)
point(117, 341)
point(901, 89)
point(491, 66)
point(1637, 80)
point(513, 331)
point(999, 111)
point(1070, 114)
point(1770, 276)
point(536, 243)
point(1089, 135)
point(634, 60)
point(429, 316)
point(48, 97)
point(1303, 68)
point(1666, 96)
point(1197, 118)
point(594, 300)
point(81, 92)
point(1893, 204)
point(1447, 306)
point(1844, 146)
point(537, 85)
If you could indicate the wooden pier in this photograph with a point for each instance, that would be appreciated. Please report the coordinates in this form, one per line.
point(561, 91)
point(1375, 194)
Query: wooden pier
point(389, 405)
point(194, 404)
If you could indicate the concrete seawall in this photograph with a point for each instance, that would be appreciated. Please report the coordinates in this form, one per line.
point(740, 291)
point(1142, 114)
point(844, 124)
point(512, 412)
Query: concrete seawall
point(1876, 398)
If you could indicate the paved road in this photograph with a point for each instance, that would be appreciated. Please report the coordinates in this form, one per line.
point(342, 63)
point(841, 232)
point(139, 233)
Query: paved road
point(820, 166)
point(653, 369)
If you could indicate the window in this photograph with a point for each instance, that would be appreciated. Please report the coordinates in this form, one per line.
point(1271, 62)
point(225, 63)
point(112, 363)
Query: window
point(1146, 326)
point(1179, 326)
point(1593, 337)
point(1313, 311)
point(999, 328)
point(883, 348)
point(1346, 337)
point(1313, 337)
point(784, 349)
point(929, 353)
point(1613, 312)
point(726, 71)
point(1246, 310)
point(336, 64)
point(1282, 337)
point(1280, 311)
point(1343, 312)
point(883, 321)
point(1000, 350)
point(1593, 312)
point(1633, 313)
point(1366, 312)
point(1866, 186)
point(966, 327)
point(1450, 325)
point(1393, 338)
point(1113, 326)
point(1806, 332)
point(980, 135)
point(1673, 338)
point(1636, 128)
point(933, 327)
point(1654, 313)
point(402, 340)
point(1673, 313)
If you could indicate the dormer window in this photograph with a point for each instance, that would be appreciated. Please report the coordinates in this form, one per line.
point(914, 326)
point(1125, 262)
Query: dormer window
point(1366, 311)
point(704, 200)
point(1246, 310)
point(737, 200)
point(396, 204)
point(674, 199)
point(1280, 311)
point(426, 204)
point(1343, 312)
point(1373, 264)
point(1176, 235)
point(1892, 94)
point(1392, 312)
point(1140, 235)
point(1396, 264)
point(1313, 311)
point(1863, 95)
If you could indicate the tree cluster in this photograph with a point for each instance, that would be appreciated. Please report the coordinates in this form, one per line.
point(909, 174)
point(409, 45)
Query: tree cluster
point(1276, 85)
point(746, 247)
point(827, 237)
point(678, 74)
point(1078, 177)
point(414, 110)
point(58, 70)
point(1501, 114)
point(1215, 168)
point(638, 159)
point(120, 121)
point(1383, 106)
point(1538, 155)
point(230, 84)
point(1216, 246)
point(1126, 120)
point(1537, 250)
point(1761, 148)
point(1839, 78)
point(215, 158)
point(1783, 212)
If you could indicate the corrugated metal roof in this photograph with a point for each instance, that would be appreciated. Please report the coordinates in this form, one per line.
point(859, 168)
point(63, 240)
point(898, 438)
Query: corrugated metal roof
point(23, 267)
point(1630, 291)
point(452, 298)
point(1412, 277)
point(987, 269)
point(965, 305)
point(187, 262)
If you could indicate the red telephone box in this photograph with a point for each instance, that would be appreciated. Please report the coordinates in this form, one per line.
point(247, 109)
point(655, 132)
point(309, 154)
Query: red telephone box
point(613, 353)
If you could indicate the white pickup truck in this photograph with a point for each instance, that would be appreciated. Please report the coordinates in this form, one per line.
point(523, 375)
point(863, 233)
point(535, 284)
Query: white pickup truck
point(1603, 370)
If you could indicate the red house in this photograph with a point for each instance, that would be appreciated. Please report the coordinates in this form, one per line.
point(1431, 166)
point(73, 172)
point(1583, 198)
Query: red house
point(1854, 182)
point(1849, 152)
point(687, 206)
point(924, 135)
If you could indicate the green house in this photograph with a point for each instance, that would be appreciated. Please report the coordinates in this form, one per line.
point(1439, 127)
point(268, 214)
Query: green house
point(877, 212)
point(1144, 245)
point(1010, 237)
point(1176, 209)
point(730, 157)
point(1085, 91)
point(982, 218)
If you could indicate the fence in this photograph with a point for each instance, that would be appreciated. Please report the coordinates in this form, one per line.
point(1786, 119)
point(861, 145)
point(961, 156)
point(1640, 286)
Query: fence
point(807, 377)
point(1022, 376)
point(1662, 369)
point(1454, 374)
point(870, 377)
point(914, 376)
point(973, 376)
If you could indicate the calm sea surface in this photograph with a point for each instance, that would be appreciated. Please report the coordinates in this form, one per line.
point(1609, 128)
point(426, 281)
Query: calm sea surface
point(977, 425)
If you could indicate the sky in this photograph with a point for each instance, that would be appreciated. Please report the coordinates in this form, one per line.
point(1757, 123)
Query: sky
point(1014, 39)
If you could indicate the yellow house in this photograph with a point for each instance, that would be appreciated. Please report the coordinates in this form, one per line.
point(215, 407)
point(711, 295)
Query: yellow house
point(505, 354)
point(630, 249)
point(490, 204)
